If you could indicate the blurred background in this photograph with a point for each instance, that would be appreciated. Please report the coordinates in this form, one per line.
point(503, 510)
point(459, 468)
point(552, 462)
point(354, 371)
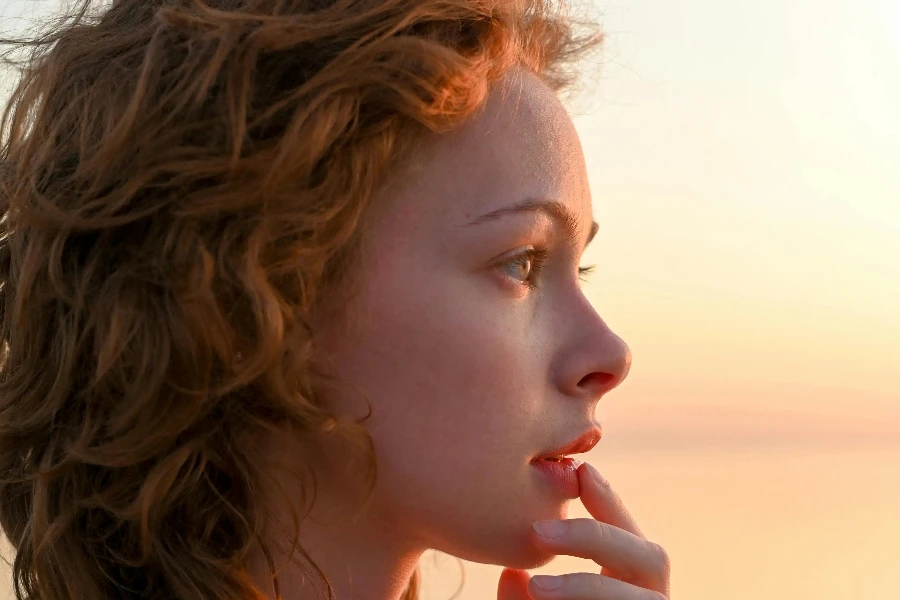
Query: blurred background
point(744, 160)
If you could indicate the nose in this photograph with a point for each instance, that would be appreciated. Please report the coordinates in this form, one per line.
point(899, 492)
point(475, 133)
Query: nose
point(598, 360)
point(611, 366)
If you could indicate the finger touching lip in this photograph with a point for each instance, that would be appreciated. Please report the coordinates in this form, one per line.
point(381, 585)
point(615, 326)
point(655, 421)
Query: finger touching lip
point(602, 502)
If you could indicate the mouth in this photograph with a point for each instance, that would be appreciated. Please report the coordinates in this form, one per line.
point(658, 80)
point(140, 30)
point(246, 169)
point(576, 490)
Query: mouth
point(583, 443)
point(560, 474)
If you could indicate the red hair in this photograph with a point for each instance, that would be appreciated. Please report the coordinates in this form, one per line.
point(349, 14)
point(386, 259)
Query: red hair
point(183, 184)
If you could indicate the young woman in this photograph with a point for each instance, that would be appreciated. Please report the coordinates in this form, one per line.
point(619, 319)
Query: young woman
point(290, 294)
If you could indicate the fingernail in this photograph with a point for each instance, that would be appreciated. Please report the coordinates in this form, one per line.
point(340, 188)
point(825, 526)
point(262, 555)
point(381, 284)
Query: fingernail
point(547, 582)
point(597, 476)
point(551, 529)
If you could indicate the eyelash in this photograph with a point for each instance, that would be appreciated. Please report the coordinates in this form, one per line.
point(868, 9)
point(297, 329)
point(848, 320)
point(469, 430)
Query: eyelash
point(538, 256)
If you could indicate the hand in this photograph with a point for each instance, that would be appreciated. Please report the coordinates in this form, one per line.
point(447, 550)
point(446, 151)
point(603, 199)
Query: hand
point(633, 568)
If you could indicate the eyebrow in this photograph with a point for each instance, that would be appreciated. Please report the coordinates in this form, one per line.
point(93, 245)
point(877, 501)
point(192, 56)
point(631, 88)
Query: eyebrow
point(557, 210)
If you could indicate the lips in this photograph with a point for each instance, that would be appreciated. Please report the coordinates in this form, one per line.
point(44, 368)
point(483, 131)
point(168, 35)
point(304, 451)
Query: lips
point(583, 443)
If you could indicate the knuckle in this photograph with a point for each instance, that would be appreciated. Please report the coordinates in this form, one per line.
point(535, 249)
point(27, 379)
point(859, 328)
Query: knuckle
point(602, 530)
point(601, 587)
point(593, 585)
point(660, 557)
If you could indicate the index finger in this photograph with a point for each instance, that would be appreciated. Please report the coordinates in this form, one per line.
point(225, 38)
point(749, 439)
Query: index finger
point(602, 502)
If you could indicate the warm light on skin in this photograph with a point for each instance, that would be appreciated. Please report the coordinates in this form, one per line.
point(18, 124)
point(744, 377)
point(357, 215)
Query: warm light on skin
point(473, 359)
point(565, 218)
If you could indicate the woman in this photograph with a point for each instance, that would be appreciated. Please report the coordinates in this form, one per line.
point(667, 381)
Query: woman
point(254, 251)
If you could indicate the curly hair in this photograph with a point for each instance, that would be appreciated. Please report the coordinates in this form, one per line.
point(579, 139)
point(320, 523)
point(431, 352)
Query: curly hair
point(184, 185)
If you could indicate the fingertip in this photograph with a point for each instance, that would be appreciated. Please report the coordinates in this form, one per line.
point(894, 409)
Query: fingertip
point(591, 472)
point(513, 585)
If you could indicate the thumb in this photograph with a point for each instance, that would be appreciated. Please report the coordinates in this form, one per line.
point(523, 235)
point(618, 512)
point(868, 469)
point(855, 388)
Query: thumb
point(513, 585)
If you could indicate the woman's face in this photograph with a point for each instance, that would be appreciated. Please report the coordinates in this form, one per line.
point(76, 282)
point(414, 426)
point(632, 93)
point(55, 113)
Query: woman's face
point(475, 362)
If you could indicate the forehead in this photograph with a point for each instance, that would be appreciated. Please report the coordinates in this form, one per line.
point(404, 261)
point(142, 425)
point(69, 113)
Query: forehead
point(522, 144)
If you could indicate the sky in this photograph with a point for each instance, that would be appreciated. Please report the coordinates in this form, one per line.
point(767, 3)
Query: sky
point(744, 160)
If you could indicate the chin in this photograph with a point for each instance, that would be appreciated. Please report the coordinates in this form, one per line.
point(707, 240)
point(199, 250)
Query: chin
point(520, 557)
point(531, 560)
point(516, 551)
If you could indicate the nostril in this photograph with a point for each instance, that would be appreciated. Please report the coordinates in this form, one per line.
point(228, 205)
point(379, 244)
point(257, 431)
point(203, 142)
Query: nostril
point(598, 380)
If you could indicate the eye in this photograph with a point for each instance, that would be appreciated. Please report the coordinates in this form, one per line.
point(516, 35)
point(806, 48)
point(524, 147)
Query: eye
point(526, 266)
point(583, 272)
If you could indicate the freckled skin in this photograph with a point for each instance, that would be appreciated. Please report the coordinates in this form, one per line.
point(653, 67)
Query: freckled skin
point(470, 373)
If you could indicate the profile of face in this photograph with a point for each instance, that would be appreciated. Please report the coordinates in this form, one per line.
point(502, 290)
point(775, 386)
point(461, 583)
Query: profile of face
point(475, 355)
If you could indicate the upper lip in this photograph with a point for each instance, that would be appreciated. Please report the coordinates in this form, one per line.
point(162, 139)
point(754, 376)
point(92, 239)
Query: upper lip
point(583, 443)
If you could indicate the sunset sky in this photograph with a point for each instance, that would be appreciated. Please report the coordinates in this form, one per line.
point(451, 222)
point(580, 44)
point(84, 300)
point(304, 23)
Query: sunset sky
point(744, 160)
point(745, 168)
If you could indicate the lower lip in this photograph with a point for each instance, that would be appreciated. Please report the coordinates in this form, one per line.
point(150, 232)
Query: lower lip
point(561, 473)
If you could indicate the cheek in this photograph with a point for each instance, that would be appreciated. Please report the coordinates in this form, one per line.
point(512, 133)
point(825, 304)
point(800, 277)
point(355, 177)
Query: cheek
point(453, 377)
point(448, 373)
